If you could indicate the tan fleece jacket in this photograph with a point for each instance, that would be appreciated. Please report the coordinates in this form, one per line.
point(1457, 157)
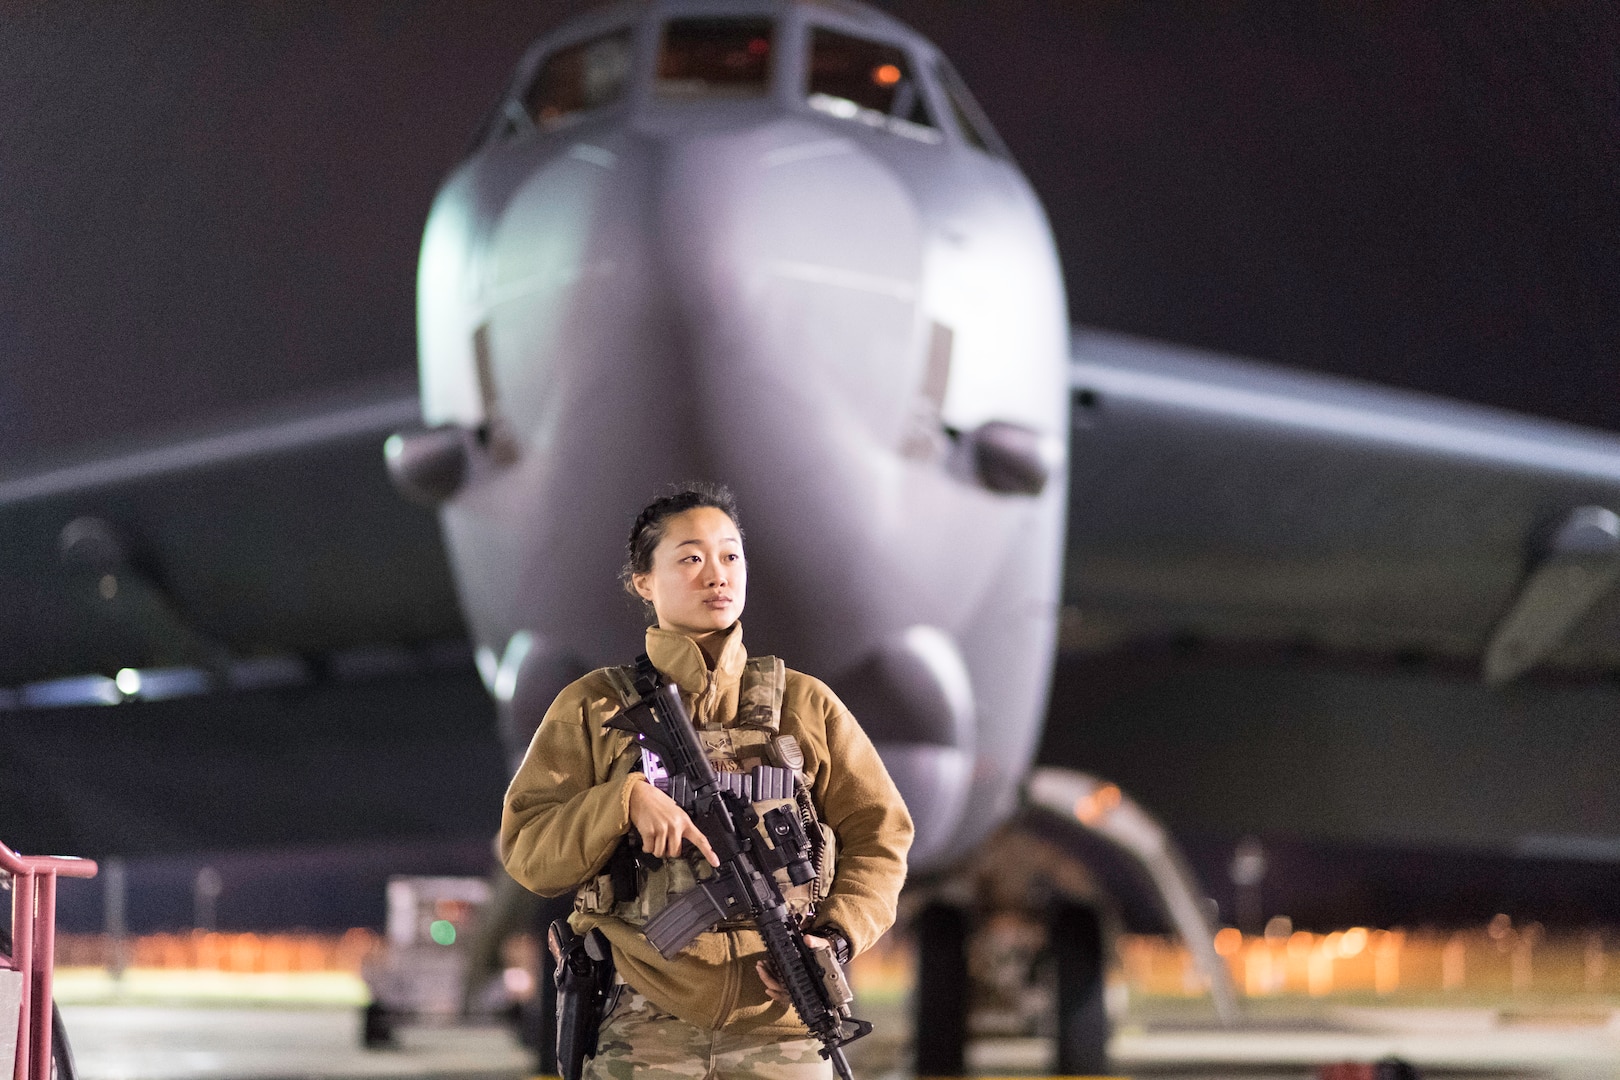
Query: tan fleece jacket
point(568, 807)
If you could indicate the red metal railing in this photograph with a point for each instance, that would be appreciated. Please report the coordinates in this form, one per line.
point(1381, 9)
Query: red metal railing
point(33, 944)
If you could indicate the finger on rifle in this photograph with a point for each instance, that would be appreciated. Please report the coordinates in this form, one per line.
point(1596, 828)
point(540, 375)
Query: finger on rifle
point(669, 840)
point(691, 832)
point(773, 988)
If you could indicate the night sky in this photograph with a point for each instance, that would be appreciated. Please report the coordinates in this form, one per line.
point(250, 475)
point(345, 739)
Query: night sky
point(207, 208)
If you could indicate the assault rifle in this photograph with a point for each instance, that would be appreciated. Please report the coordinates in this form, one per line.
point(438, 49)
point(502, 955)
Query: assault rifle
point(751, 848)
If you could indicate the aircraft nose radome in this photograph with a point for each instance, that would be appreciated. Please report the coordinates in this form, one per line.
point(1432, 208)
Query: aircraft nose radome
point(793, 257)
point(642, 307)
point(789, 258)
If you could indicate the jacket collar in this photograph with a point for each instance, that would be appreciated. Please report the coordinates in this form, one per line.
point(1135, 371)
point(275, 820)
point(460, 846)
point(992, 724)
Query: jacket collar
point(680, 659)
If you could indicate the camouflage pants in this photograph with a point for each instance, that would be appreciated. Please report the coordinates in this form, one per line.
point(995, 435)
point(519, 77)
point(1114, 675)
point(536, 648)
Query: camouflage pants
point(639, 1041)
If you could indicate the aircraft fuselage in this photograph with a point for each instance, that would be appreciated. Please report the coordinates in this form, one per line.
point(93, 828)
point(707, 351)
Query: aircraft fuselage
point(812, 302)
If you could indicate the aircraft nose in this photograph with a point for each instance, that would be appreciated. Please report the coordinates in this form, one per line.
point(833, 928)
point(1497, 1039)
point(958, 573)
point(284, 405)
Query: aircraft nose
point(792, 257)
point(787, 260)
point(739, 305)
point(645, 305)
point(795, 258)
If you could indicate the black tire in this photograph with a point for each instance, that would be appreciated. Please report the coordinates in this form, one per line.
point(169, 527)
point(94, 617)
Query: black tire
point(377, 1027)
point(1076, 938)
point(61, 1052)
point(939, 1007)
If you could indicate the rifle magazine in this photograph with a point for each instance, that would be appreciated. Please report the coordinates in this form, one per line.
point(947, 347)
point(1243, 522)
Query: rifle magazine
point(690, 914)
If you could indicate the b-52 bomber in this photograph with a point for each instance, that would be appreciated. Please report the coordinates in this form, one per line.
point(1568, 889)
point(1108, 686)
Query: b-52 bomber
point(776, 243)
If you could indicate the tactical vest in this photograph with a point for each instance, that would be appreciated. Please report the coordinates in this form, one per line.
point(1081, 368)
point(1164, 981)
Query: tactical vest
point(755, 760)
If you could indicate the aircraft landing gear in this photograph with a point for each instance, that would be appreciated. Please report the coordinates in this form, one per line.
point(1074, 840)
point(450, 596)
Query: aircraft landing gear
point(1075, 947)
point(1075, 937)
point(377, 1027)
point(940, 1001)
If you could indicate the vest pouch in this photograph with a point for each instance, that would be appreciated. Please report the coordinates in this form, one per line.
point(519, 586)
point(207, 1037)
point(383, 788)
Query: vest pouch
point(595, 897)
point(658, 887)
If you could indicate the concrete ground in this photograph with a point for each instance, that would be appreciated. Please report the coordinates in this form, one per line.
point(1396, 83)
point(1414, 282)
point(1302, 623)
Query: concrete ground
point(189, 1042)
point(157, 1042)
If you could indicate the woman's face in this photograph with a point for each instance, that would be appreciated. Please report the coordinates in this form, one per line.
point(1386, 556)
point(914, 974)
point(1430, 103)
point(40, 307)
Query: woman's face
point(699, 579)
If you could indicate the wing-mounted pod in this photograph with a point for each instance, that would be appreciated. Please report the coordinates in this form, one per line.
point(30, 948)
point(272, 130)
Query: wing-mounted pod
point(429, 467)
point(1006, 457)
point(1013, 458)
point(1577, 566)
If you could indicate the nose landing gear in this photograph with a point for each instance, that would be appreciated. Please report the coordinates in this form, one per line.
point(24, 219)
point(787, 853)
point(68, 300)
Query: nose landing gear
point(942, 996)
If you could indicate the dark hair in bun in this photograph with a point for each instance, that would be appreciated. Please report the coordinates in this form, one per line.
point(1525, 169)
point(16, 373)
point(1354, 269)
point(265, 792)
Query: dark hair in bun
point(648, 530)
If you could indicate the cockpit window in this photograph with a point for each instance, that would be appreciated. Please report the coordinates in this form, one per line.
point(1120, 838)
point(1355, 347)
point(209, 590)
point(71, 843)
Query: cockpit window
point(581, 77)
point(970, 118)
point(707, 58)
point(867, 81)
point(867, 73)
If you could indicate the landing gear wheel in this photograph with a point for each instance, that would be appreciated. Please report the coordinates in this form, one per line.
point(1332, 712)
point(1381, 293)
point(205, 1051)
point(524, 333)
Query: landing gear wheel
point(377, 1027)
point(1076, 941)
point(940, 1001)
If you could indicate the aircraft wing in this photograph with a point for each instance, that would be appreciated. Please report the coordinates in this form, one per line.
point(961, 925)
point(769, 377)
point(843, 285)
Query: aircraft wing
point(1210, 498)
point(1227, 501)
point(263, 550)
